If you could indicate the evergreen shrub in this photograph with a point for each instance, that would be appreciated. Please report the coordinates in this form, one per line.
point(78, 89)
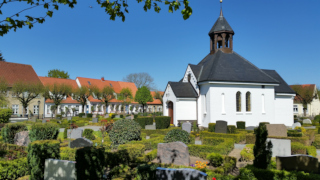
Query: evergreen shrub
point(250, 138)
point(317, 118)
point(124, 130)
point(241, 125)
point(81, 114)
point(312, 151)
point(212, 127)
point(158, 131)
point(247, 153)
point(294, 133)
point(135, 116)
point(13, 169)
point(298, 148)
point(143, 121)
point(212, 141)
point(67, 153)
point(236, 137)
point(162, 122)
point(38, 152)
point(215, 159)
point(5, 114)
point(121, 115)
point(10, 130)
point(89, 115)
point(231, 129)
point(47, 131)
point(88, 133)
point(177, 135)
point(133, 150)
point(90, 162)
point(262, 149)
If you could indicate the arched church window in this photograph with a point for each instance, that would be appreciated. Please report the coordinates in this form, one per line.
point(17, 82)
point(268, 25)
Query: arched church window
point(248, 101)
point(189, 77)
point(238, 101)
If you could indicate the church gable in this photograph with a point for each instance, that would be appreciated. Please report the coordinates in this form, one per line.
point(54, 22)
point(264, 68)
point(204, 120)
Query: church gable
point(190, 77)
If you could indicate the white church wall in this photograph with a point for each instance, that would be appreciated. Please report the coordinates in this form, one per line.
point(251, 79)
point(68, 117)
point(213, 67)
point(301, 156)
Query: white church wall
point(193, 80)
point(167, 97)
point(283, 107)
point(204, 106)
point(186, 109)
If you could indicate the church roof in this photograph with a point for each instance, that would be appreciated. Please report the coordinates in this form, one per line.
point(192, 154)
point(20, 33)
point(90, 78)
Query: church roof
point(231, 67)
point(283, 86)
point(195, 69)
point(182, 89)
point(220, 25)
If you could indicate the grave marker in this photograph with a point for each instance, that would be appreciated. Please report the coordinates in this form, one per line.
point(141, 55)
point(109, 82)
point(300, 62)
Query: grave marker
point(221, 127)
point(299, 162)
point(75, 133)
point(185, 174)
point(176, 153)
point(22, 138)
point(187, 126)
point(59, 170)
point(81, 142)
point(279, 130)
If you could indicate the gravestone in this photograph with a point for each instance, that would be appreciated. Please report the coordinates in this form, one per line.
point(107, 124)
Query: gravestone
point(56, 169)
point(95, 120)
point(279, 130)
point(176, 153)
point(150, 127)
point(221, 127)
point(183, 173)
point(299, 162)
point(81, 142)
point(75, 133)
point(58, 118)
point(44, 121)
point(117, 116)
point(94, 115)
point(34, 119)
point(307, 121)
point(128, 117)
point(297, 124)
point(69, 118)
point(281, 147)
point(22, 138)
point(187, 126)
point(106, 116)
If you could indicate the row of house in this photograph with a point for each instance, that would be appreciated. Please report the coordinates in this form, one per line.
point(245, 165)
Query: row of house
point(13, 72)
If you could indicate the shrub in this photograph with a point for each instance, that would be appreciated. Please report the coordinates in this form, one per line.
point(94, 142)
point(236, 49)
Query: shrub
point(317, 118)
point(150, 156)
point(162, 122)
point(298, 148)
point(135, 116)
point(143, 121)
point(250, 138)
point(121, 115)
point(88, 133)
point(159, 131)
point(231, 129)
point(241, 125)
point(312, 151)
point(13, 169)
point(39, 131)
point(212, 141)
point(262, 150)
point(316, 142)
point(247, 153)
point(133, 150)
point(9, 131)
point(38, 152)
point(67, 153)
point(177, 135)
point(212, 127)
point(293, 133)
point(203, 150)
point(90, 163)
point(81, 114)
point(89, 115)
point(124, 130)
point(215, 159)
point(236, 137)
point(5, 114)
point(263, 123)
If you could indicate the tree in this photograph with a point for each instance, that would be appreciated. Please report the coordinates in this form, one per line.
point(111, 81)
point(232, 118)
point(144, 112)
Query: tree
point(157, 95)
point(1, 57)
point(105, 95)
point(140, 79)
point(81, 95)
point(26, 92)
point(114, 8)
point(305, 95)
point(125, 96)
point(143, 96)
point(262, 151)
point(57, 92)
point(3, 91)
point(56, 73)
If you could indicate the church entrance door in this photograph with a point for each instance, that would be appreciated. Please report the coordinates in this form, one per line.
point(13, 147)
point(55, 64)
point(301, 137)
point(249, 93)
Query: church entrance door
point(170, 106)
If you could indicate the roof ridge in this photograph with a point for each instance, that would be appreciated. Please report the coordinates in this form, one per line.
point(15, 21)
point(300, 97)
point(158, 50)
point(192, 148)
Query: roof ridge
point(15, 63)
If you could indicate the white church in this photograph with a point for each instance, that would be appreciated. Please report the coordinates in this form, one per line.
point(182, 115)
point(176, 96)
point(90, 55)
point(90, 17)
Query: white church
point(226, 86)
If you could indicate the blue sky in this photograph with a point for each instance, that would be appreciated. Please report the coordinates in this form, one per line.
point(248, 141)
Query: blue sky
point(280, 35)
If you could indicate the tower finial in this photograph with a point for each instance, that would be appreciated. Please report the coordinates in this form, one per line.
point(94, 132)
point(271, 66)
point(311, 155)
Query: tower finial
point(221, 14)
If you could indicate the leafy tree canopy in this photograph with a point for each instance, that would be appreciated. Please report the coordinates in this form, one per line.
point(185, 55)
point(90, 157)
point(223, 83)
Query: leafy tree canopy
point(1, 57)
point(81, 95)
point(158, 96)
point(125, 95)
point(305, 95)
point(56, 73)
point(143, 96)
point(114, 8)
point(140, 79)
point(3, 91)
point(57, 92)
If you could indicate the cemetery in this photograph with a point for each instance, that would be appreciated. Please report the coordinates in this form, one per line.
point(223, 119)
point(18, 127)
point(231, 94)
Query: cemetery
point(149, 147)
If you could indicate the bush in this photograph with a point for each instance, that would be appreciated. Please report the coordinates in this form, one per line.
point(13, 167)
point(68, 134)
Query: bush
point(133, 150)
point(88, 133)
point(150, 156)
point(90, 163)
point(162, 122)
point(215, 159)
point(298, 148)
point(9, 131)
point(212, 127)
point(135, 116)
point(212, 141)
point(236, 137)
point(67, 153)
point(47, 131)
point(158, 131)
point(312, 151)
point(121, 115)
point(263, 123)
point(262, 149)
point(38, 152)
point(247, 153)
point(231, 129)
point(13, 169)
point(89, 115)
point(203, 150)
point(293, 133)
point(82, 114)
point(5, 114)
point(317, 118)
point(143, 121)
point(124, 130)
point(250, 138)
point(241, 125)
point(177, 135)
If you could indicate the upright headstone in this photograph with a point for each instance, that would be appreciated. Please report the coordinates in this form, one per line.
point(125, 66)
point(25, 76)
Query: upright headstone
point(297, 124)
point(59, 170)
point(75, 133)
point(69, 118)
point(187, 126)
point(299, 162)
point(307, 121)
point(44, 121)
point(221, 127)
point(22, 138)
point(117, 116)
point(81, 142)
point(176, 153)
point(281, 147)
point(279, 130)
point(34, 119)
point(95, 120)
point(185, 174)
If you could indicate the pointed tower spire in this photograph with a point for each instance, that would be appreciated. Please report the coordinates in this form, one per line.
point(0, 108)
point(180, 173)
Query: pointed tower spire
point(221, 14)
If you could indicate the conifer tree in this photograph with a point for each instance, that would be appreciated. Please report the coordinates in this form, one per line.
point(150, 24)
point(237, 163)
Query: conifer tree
point(262, 150)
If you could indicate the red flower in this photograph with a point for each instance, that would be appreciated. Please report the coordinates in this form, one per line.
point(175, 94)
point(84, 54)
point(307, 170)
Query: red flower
point(214, 178)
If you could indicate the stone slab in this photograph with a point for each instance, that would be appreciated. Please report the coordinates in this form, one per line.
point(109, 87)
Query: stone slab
point(117, 116)
point(281, 147)
point(307, 121)
point(310, 127)
point(177, 174)
point(187, 126)
point(59, 170)
point(173, 153)
point(279, 130)
point(81, 142)
point(33, 119)
point(95, 120)
point(297, 124)
point(22, 138)
point(298, 162)
point(150, 127)
point(221, 127)
point(75, 133)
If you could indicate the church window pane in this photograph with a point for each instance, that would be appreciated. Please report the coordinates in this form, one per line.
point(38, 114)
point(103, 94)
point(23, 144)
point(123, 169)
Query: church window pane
point(238, 101)
point(248, 101)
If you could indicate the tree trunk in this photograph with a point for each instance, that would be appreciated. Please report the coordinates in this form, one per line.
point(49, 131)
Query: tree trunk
point(143, 109)
point(305, 112)
point(82, 108)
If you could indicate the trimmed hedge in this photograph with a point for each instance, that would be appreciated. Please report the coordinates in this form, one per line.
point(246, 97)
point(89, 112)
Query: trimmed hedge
point(162, 122)
point(241, 125)
point(203, 150)
point(14, 169)
point(215, 159)
point(231, 129)
point(251, 139)
point(312, 151)
point(90, 162)
point(298, 148)
point(88, 133)
point(293, 133)
point(177, 135)
point(11, 147)
point(38, 152)
point(82, 114)
point(143, 121)
point(67, 153)
point(9, 131)
point(5, 114)
point(47, 131)
point(212, 141)
point(236, 137)
point(159, 131)
point(89, 115)
point(133, 151)
point(212, 127)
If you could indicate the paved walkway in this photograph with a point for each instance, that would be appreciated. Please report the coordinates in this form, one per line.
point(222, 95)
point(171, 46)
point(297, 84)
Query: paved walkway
point(95, 128)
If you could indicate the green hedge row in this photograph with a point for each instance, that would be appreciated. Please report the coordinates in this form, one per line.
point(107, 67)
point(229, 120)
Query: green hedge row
point(9, 131)
point(212, 127)
point(158, 131)
point(162, 122)
point(14, 169)
point(133, 151)
point(298, 148)
point(231, 129)
point(11, 147)
point(88, 133)
point(203, 150)
point(47, 131)
point(247, 153)
point(241, 125)
point(293, 133)
point(5, 114)
point(212, 141)
point(236, 137)
point(143, 121)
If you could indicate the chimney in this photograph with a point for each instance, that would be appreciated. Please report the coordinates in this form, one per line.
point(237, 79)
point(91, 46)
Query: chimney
point(102, 78)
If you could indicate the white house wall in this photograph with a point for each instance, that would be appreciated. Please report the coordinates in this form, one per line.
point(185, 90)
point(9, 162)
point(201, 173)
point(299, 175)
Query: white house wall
point(283, 106)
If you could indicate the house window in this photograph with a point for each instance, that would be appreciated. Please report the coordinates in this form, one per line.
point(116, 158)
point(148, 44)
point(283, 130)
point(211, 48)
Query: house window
point(238, 101)
point(295, 108)
point(15, 109)
point(35, 109)
point(248, 101)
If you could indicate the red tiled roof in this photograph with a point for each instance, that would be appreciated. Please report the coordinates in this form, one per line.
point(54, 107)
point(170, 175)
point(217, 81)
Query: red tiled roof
point(100, 83)
point(311, 86)
point(14, 72)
